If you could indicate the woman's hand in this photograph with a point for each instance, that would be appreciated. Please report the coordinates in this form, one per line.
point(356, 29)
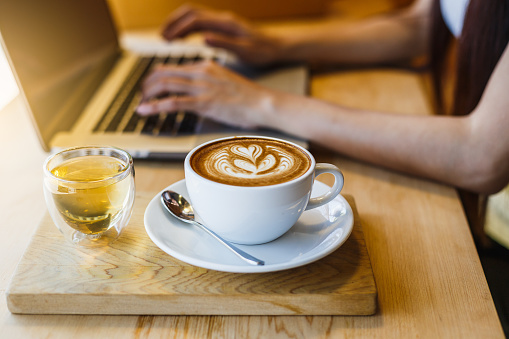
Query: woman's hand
point(207, 89)
point(225, 30)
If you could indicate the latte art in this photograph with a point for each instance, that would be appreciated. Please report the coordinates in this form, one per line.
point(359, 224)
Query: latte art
point(242, 162)
point(250, 162)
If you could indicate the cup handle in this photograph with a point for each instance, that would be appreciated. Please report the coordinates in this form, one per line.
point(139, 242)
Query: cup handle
point(333, 192)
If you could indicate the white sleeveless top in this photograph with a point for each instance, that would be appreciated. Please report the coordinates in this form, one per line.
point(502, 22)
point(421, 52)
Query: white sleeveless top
point(453, 12)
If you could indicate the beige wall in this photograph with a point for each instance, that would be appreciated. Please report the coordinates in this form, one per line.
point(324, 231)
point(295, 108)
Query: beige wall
point(134, 14)
point(131, 14)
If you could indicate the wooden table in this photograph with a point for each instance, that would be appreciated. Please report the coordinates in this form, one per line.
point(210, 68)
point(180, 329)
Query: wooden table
point(429, 278)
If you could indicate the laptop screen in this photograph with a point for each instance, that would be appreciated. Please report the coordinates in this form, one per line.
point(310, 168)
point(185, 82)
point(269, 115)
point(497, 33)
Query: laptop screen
point(60, 51)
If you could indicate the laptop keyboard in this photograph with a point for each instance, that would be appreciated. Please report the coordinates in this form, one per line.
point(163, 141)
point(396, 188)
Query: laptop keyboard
point(121, 117)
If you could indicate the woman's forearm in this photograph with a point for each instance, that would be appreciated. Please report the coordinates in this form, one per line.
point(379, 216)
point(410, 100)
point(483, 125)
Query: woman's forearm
point(383, 38)
point(435, 147)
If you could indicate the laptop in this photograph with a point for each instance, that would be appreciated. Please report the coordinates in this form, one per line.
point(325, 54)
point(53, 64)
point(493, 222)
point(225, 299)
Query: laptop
point(81, 87)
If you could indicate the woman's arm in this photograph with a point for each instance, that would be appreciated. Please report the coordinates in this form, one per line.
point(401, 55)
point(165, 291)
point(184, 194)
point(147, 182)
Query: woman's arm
point(390, 37)
point(471, 152)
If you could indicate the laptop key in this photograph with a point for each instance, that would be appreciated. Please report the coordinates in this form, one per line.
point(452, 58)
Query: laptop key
point(150, 124)
point(117, 118)
point(188, 123)
point(133, 122)
point(167, 128)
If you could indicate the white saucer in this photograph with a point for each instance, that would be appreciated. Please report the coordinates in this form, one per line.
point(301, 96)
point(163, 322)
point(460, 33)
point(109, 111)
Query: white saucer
point(317, 233)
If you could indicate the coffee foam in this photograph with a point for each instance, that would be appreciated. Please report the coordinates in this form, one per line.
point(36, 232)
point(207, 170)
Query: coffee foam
point(250, 162)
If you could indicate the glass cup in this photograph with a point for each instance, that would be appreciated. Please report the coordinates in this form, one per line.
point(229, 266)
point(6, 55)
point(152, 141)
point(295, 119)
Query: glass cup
point(90, 192)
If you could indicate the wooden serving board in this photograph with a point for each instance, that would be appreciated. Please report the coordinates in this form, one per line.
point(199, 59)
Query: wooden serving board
point(133, 276)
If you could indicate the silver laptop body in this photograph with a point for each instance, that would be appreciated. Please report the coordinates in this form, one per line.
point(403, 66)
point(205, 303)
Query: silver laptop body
point(75, 79)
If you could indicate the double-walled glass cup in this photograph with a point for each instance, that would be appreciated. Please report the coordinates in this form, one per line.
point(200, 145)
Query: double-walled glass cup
point(90, 192)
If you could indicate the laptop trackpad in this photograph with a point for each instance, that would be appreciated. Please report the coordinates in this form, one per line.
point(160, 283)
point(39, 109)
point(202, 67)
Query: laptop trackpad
point(291, 79)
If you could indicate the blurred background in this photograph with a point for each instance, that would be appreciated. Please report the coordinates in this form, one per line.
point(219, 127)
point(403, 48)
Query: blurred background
point(8, 88)
point(135, 14)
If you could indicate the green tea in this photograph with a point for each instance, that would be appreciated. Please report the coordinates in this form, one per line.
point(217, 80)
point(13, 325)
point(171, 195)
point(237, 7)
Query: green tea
point(88, 198)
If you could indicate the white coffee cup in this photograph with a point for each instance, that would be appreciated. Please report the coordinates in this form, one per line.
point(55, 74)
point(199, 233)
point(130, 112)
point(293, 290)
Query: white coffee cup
point(255, 214)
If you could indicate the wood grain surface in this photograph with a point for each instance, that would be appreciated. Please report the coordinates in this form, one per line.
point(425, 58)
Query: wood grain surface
point(133, 276)
point(429, 279)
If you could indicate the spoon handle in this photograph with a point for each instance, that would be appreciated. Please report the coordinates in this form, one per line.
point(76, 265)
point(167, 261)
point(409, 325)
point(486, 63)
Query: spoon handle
point(240, 253)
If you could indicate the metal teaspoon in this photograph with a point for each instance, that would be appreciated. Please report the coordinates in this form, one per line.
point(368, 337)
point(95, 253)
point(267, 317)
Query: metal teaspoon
point(181, 209)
